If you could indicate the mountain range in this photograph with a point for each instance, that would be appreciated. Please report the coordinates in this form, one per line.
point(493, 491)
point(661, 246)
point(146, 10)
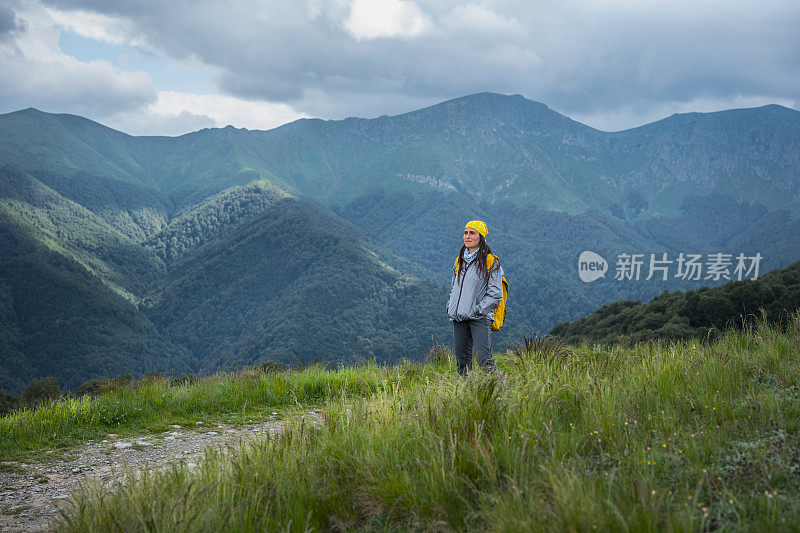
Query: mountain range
point(331, 240)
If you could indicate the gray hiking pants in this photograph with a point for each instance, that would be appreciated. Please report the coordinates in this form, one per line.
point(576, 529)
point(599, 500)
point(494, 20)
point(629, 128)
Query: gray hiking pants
point(473, 333)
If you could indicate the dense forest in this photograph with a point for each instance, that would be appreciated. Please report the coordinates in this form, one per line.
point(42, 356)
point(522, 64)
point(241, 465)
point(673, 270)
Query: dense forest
point(690, 314)
point(58, 319)
point(291, 284)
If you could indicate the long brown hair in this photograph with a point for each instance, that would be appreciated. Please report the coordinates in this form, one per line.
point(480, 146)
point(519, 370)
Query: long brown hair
point(480, 260)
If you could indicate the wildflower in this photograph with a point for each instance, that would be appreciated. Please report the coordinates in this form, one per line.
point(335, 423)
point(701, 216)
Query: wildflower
point(653, 491)
point(730, 501)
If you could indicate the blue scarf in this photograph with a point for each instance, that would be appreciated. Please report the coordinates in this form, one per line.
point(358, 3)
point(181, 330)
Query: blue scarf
point(469, 257)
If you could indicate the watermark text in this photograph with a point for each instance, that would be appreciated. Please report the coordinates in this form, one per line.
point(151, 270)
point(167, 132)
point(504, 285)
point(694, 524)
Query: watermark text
point(686, 266)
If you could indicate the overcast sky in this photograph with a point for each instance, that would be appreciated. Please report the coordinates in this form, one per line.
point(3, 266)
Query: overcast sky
point(170, 67)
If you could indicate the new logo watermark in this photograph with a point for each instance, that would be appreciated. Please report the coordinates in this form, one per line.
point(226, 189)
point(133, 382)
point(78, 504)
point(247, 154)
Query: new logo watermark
point(591, 266)
point(716, 266)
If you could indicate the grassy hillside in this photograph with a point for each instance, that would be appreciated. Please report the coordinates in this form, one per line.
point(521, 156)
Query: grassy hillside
point(64, 144)
point(695, 313)
point(658, 436)
point(154, 403)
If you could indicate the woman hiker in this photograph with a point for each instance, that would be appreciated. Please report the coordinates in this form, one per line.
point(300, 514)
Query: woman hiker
point(476, 291)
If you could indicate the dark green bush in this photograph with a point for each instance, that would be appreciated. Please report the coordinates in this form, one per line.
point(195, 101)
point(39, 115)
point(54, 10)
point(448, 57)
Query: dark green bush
point(185, 380)
point(117, 383)
point(92, 387)
point(270, 366)
point(7, 402)
point(39, 391)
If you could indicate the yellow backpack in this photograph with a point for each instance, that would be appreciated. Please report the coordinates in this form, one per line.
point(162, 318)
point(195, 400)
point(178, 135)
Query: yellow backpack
point(499, 312)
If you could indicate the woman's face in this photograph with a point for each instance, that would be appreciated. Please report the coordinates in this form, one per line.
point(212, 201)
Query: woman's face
point(471, 238)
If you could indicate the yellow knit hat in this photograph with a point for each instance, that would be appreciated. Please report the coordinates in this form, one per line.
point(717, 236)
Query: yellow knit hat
point(478, 226)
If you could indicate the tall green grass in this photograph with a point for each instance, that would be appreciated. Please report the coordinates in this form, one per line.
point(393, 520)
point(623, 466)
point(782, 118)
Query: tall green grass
point(659, 436)
point(153, 404)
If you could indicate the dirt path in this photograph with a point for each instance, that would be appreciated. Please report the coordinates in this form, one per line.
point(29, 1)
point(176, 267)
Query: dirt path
point(31, 495)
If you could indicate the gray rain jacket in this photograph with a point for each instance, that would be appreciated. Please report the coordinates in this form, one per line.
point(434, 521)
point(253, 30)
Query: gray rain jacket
point(473, 297)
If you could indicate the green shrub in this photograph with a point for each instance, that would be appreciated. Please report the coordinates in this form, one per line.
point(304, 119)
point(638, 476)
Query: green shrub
point(93, 387)
point(39, 391)
point(118, 383)
point(184, 380)
point(270, 366)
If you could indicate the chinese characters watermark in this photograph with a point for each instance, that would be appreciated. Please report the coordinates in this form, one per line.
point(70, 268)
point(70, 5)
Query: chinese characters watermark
point(715, 266)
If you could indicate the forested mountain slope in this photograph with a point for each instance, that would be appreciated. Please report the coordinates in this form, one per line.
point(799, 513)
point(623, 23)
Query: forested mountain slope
point(286, 280)
point(333, 240)
point(58, 319)
point(695, 313)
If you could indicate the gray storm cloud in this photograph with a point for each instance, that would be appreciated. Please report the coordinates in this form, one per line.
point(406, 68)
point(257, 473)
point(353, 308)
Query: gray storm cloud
point(579, 56)
point(8, 21)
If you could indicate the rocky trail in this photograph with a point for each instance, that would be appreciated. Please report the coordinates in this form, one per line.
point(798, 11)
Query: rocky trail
point(31, 493)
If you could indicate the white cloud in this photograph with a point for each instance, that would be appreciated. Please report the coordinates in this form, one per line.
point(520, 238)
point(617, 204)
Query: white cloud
point(143, 122)
point(176, 113)
point(37, 74)
point(371, 19)
point(96, 26)
point(224, 110)
point(479, 18)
